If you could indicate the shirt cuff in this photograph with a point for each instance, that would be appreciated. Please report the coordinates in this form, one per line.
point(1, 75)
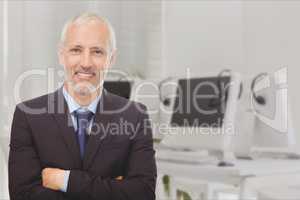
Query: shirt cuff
point(66, 181)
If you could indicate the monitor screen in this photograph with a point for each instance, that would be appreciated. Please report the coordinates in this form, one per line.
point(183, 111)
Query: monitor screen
point(120, 88)
point(200, 102)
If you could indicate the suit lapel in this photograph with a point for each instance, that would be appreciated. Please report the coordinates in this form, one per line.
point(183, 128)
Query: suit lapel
point(99, 133)
point(100, 129)
point(65, 124)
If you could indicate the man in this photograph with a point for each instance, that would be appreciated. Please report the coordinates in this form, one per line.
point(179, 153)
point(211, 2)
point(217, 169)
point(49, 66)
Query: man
point(72, 144)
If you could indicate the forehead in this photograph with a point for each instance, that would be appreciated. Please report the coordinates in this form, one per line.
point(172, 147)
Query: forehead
point(91, 33)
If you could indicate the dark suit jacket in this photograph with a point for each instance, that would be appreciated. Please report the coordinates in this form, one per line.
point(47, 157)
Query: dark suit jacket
point(43, 136)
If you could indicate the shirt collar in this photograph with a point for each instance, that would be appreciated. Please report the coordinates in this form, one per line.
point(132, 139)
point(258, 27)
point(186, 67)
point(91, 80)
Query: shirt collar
point(73, 105)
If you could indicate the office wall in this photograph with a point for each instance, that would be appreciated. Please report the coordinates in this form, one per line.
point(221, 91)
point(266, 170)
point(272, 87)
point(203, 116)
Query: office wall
point(139, 39)
point(1, 56)
point(204, 36)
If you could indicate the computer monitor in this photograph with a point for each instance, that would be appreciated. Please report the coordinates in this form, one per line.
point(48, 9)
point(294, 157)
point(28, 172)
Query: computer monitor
point(273, 129)
point(199, 102)
point(201, 114)
point(119, 87)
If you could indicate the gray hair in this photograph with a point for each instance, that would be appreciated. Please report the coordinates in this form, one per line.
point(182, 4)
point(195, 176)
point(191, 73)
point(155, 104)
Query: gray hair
point(87, 17)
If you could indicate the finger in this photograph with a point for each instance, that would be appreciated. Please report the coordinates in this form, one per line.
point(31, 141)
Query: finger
point(119, 178)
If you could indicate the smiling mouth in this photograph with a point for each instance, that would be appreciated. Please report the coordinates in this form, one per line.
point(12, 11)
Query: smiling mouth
point(84, 75)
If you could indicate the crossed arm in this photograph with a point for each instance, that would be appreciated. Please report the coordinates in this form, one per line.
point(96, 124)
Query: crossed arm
point(29, 181)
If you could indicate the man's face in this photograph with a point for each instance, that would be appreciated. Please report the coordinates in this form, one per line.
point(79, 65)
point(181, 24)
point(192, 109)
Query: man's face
point(86, 55)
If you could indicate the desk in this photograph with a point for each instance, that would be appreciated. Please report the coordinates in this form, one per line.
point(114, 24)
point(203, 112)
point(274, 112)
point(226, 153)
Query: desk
point(290, 193)
point(236, 175)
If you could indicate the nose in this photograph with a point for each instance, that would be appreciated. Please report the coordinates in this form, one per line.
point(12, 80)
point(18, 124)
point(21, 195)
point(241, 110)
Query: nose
point(86, 61)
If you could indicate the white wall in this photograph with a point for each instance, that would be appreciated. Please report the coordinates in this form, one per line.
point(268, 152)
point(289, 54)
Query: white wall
point(139, 49)
point(202, 35)
point(1, 56)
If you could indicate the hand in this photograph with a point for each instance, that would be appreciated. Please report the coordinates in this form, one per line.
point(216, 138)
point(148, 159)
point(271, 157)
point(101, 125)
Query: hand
point(53, 178)
point(119, 178)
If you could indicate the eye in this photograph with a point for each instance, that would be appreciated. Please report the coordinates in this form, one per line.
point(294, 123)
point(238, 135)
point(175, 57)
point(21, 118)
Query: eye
point(98, 52)
point(75, 51)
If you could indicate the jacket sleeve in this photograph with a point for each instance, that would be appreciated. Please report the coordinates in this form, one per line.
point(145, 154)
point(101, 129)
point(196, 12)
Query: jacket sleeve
point(139, 181)
point(24, 166)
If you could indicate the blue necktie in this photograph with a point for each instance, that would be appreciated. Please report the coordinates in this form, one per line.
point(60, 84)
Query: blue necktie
point(83, 119)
